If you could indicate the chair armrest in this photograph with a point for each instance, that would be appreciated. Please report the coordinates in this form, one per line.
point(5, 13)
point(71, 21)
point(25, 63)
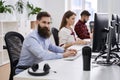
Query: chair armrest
point(23, 67)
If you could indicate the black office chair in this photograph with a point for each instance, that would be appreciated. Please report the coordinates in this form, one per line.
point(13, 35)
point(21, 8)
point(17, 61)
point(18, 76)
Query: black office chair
point(13, 42)
point(55, 35)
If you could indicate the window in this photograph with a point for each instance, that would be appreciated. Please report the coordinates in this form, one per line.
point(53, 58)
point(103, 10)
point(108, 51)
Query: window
point(91, 6)
point(78, 5)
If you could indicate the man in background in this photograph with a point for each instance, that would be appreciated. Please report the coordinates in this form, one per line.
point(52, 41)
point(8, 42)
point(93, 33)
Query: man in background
point(81, 27)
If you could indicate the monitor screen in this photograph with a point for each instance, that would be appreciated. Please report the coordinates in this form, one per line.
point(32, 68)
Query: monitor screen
point(99, 35)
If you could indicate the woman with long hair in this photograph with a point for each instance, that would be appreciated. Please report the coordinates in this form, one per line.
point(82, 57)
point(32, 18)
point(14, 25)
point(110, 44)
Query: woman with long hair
point(67, 36)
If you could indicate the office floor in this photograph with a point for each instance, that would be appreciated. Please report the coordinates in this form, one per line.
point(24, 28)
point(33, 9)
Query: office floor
point(4, 72)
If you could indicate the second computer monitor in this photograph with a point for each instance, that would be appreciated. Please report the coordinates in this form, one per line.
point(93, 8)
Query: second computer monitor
point(100, 31)
point(118, 36)
point(114, 17)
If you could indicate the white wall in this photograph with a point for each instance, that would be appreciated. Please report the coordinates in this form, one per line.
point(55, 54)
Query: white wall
point(114, 6)
point(56, 8)
point(110, 6)
point(102, 6)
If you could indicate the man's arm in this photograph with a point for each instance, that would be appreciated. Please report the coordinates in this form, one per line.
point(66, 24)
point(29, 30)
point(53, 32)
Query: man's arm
point(56, 49)
point(37, 50)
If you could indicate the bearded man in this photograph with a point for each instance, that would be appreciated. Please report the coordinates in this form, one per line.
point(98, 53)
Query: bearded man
point(37, 46)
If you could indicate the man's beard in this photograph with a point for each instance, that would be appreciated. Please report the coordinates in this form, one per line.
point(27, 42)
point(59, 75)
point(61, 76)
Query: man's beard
point(43, 32)
point(85, 21)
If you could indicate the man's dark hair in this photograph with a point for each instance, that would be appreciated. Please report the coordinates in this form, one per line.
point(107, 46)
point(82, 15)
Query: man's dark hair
point(42, 14)
point(85, 12)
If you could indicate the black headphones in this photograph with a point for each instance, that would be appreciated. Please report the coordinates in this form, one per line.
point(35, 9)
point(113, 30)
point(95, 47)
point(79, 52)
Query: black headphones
point(35, 67)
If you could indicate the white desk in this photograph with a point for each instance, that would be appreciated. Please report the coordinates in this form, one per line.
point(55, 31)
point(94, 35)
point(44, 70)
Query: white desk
point(73, 70)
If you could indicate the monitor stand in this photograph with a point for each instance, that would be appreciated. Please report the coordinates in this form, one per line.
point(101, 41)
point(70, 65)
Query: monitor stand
point(117, 49)
point(112, 55)
point(107, 62)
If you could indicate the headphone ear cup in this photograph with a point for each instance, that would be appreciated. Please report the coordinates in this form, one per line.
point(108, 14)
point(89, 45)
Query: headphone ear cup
point(35, 67)
point(46, 68)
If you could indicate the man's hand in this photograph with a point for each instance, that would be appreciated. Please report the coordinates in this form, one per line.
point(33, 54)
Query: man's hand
point(72, 50)
point(69, 52)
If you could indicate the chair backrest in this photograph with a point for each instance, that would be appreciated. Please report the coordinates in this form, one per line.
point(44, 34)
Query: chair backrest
point(14, 41)
point(55, 35)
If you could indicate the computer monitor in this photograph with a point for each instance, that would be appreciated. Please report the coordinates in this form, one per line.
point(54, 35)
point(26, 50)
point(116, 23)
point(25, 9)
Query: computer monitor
point(104, 38)
point(115, 41)
point(111, 40)
point(118, 18)
point(118, 22)
point(114, 17)
point(113, 35)
point(100, 32)
point(110, 44)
